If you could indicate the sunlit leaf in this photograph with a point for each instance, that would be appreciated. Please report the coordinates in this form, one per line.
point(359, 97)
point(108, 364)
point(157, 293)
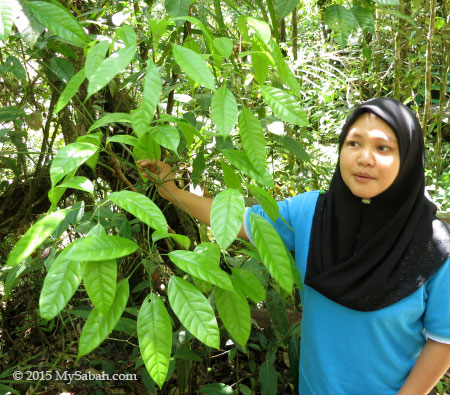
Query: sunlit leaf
point(224, 111)
point(248, 284)
point(177, 8)
point(6, 18)
point(81, 183)
point(99, 279)
point(284, 7)
point(285, 72)
point(124, 139)
point(98, 326)
point(218, 389)
point(267, 202)
point(182, 240)
point(141, 207)
point(341, 21)
point(34, 237)
point(166, 135)
point(284, 105)
point(194, 66)
point(155, 338)
point(110, 118)
point(272, 251)
point(70, 158)
point(200, 266)
point(95, 57)
point(59, 20)
point(226, 216)
point(252, 137)
point(194, 311)
point(26, 23)
point(234, 312)
point(261, 28)
point(364, 18)
point(60, 284)
point(143, 115)
point(224, 46)
point(70, 90)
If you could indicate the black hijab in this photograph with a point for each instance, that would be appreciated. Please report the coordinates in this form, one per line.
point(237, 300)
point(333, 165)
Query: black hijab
point(369, 256)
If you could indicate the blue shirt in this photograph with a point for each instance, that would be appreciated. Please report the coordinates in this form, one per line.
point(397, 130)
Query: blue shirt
point(345, 351)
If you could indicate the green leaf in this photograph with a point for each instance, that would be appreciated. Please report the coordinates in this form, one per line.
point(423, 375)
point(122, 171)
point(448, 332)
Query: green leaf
point(69, 158)
point(234, 312)
point(268, 378)
point(194, 66)
point(341, 21)
point(99, 279)
point(217, 389)
point(226, 216)
point(101, 248)
point(8, 114)
point(13, 64)
point(143, 115)
point(81, 183)
point(284, 105)
point(285, 72)
point(109, 68)
point(364, 18)
point(6, 18)
point(110, 118)
point(293, 146)
point(127, 35)
point(62, 69)
point(194, 311)
point(182, 240)
point(59, 21)
point(224, 46)
point(241, 161)
point(272, 251)
point(60, 284)
point(95, 57)
point(260, 62)
point(248, 284)
point(387, 2)
point(98, 326)
point(267, 202)
point(70, 90)
point(206, 33)
point(141, 207)
point(34, 237)
point(212, 250)
point(253, 141)
point(166, 135)
point(124, 139)
point(284, 7)
point(232, 180)
point(27, 25)
point(155, 338)
point(261, 29)
point(148, 148)
point(177, 8)
point(277, 313)
point(224, 111)
point(201, 266)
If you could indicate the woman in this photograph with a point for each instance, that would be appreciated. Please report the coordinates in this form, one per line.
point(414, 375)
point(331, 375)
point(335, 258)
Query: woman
point(374, 259)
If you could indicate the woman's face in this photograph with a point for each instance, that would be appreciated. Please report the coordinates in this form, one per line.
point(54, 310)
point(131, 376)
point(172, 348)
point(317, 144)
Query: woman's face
point(370, 158)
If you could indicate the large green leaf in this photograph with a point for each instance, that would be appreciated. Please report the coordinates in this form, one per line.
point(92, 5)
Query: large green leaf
point(95, 57)
point(248, 284)
point(293, 146)
point(59, 20)
point(62, 69)
point(284, 105)
point(124, 139)
point(201, 266)
point(272, 251)
point(110, 118)
point(224, 46)
point(141, 207)
point(101, 248)
point(260, 61)
point(147, 148)
point(253, 141)
point(143, 115)
point(364, 18)
point(26, 23)
point(166, 135)
point(80, 183)
point(224, 111)
point(232, 180)
point(267, 202)
point(234, 312)
point(70, 158)
point(154, 330)
point(226, 216)
point(110, 67)
point(284, 7)
point(193, 65)
point(341, 21)
point(60, 284)
point(261, 29)
point(194, 311)
point(10, 113)
point(176, 8)
point(70, 90)
point(34, 237)
point(268, 378)
point(242, 162)
point(182, 240)
point(100, 279)
point(98, 326)
point(6, 18)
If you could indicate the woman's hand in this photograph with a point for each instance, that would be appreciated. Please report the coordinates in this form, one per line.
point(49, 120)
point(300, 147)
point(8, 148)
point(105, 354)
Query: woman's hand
point(161, 175)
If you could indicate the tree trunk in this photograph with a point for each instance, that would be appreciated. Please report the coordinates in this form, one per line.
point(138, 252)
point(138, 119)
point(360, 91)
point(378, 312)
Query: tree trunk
point(398, 55)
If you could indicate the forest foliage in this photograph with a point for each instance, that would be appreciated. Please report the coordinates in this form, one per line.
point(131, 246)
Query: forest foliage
point(245, 100)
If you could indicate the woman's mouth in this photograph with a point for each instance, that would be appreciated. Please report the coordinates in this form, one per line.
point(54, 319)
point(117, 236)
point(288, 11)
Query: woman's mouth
point(363, 177)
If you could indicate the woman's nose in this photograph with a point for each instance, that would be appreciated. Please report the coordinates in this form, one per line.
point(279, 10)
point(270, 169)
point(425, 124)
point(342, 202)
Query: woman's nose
point(366, 158)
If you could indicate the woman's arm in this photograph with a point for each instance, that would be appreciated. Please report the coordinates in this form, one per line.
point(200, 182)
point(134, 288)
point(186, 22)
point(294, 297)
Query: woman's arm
point(433, 362)
point(161, 174)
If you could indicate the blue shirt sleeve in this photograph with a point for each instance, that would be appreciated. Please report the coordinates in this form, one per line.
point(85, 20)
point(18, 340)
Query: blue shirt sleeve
point(437, 313)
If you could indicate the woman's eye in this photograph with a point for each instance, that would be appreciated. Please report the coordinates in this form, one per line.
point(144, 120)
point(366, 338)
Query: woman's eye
point(352, 143)
point(384, 148)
